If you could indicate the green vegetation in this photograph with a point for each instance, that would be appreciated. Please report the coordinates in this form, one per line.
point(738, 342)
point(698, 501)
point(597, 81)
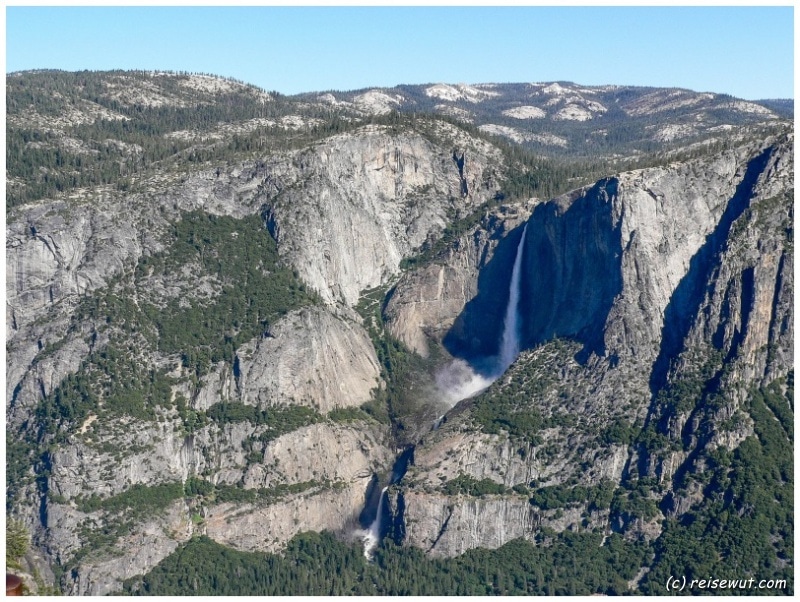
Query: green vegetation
point(254, 288)
point(121, 379)
point(684, 393)
point(137, 502)
point(467, 485)
point(22, 456)
point(18, 540)
point(401, 368)
point(120, 513)
point(596, 497)
point(507, 406)
point(119, 151)
point(636, 500)
point(455, 228)
point(221, 493)
point(743, 525)
point(197, 487)
point(348, 414)
point(279, 419)
point(741, 522)
point(619, 432)
point(318, 564)
point(110, 378)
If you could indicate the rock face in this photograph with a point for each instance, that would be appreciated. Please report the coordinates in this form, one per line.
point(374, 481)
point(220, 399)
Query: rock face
point(331, 463)
point(630, 287)
point(322, 452)
point(137, 551)
point(267, 528)
point(446, 527)
point(355, 206)
point(344, 212)
point(312, 357)
point(54, 255)
point(645, 274)
point(426, 302)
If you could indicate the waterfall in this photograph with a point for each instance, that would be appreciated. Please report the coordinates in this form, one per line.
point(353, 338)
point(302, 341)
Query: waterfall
point(372, 536)
point(509, 344)
point(459, 379)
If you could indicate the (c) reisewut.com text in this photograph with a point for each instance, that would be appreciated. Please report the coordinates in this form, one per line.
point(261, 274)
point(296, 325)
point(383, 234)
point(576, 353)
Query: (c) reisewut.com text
point(680, 584)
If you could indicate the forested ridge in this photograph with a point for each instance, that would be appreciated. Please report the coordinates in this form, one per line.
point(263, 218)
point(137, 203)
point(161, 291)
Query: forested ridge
point(87, 129)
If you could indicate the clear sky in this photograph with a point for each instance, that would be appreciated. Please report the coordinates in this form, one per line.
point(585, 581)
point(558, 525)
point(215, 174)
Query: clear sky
point(744, 51)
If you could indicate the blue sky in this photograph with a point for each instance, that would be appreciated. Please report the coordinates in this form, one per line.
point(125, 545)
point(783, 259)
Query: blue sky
point(744, 51)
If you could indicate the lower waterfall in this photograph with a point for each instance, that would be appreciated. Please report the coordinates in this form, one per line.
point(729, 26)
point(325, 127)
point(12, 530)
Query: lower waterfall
point(372, 536)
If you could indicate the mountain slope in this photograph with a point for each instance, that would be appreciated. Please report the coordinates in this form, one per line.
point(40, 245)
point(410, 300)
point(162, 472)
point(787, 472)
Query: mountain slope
point(229, 313)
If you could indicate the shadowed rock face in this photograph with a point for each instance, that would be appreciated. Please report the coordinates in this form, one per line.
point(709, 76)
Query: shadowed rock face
point(572, 268)
point(571, 275)
point(476, 332)
point(429, 302)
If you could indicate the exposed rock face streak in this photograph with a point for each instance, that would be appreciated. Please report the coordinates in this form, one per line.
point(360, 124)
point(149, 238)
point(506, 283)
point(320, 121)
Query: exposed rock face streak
point(354, 208)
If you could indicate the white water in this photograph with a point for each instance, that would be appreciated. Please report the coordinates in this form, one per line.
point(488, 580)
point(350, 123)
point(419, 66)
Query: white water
point(459, 380)
point(509, 344)
point(372, 536)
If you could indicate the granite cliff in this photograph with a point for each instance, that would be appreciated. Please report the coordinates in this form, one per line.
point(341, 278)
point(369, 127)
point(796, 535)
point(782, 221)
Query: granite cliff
point(243, 334)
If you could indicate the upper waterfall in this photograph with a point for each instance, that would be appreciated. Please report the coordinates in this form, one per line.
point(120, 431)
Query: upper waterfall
point(509, 344)
point(459, 379)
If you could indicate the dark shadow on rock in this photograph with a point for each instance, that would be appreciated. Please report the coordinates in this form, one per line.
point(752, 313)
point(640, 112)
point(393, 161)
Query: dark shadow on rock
point(573, 261)
point(372, 498)
point(476, 332)
point(571, 274)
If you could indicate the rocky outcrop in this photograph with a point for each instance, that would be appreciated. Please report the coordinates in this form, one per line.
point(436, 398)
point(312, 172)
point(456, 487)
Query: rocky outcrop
point(56, 253)
point(105, 460)
point(390, 191)
point(311, 357)
point(446, 526)
point(135, 553)
point(267, 528)
point(332, 463)
point(322, 452)
point(358, 204)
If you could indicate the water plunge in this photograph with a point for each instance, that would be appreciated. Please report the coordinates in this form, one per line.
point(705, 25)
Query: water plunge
point(459, 379)
point(509, 344)
point(372, 536)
